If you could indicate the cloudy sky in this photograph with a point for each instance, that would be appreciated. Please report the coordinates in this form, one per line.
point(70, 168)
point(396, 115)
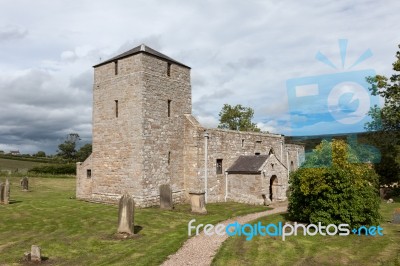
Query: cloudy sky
point(253, 53)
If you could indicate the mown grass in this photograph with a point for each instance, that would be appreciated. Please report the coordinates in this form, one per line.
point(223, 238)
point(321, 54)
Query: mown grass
point(315, 250)
point(73, 232)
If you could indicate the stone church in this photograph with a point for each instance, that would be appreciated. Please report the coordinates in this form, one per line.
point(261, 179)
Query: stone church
point(144, 136)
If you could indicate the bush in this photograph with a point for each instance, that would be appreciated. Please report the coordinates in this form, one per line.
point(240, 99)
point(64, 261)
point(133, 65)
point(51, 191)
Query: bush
point(342, 193)
point(55, 169)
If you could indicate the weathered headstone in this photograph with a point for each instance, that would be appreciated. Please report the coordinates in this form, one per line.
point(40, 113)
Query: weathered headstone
point(166, 197)
point(396, 216)
point(6, 199)
point(198, 202)
point(125, 215)
point(25, 184)
point(2, 186)
point(36, 253)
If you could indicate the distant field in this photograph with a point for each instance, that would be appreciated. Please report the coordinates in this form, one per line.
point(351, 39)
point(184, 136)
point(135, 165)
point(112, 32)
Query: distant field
point(14, 165)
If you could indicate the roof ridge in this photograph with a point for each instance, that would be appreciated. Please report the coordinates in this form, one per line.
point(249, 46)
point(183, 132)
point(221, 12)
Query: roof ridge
point(143, 48)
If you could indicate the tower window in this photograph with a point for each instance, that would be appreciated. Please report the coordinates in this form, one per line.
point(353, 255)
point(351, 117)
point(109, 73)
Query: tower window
point(116, 67)
point(168, 69)
point(242, 143)
point(88, 173)
point(169, 108)
point(219, 166)
point(116, 108)
point(169, 157)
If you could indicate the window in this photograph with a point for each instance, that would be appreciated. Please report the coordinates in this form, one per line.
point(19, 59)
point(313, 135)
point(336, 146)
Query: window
point(242, 143)
point(257, 153)
point(169, 108)
point(89, 173)
point(169, 69)
point(116, 108)
point(169, 157)
point(271, 151)
point(116, 67)
point(219, 166)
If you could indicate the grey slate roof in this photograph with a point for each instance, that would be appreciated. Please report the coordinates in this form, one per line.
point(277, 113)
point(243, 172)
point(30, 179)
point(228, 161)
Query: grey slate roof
point(141, 49)
point(248, 164)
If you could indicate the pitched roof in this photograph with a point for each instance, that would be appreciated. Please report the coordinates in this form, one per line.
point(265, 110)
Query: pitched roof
point(141, 49)
point(248, 164)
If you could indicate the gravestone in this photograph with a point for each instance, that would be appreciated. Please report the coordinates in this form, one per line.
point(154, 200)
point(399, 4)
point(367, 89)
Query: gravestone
point(396, 216)
point(25, 184)
point(198, 202)
point(166, 197)
point(2, 192)
point(36, 253)
point(6, 199)
point(125, 215)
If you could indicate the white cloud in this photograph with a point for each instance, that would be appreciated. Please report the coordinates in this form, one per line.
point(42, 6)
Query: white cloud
point(240, 52)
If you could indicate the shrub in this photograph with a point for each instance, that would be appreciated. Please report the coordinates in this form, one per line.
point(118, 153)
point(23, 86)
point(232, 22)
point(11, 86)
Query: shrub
point(341, 193)
point(55, 169)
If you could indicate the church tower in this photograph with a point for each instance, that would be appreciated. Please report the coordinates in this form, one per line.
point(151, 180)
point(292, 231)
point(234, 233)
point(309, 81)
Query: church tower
point(140, 98)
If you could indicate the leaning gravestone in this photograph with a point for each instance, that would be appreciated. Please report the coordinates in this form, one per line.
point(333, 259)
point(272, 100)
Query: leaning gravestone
point(2, 186)
point(166, 197)
point(396, 216)
point(25, 184)
point(125, 215)
point(198, 202)
point(6, 198)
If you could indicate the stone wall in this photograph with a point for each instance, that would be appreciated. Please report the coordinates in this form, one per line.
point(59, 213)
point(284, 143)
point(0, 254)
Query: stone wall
point(163, 147)
point(117, 129)
point(83, 181)
point(227, 145)
point(246, 188)
point(137, 141)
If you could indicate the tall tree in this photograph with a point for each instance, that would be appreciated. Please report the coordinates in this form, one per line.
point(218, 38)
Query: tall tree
point(385, 124)
point(67, 149)
point(389, 89)
point(237, 118)
point(84, 152)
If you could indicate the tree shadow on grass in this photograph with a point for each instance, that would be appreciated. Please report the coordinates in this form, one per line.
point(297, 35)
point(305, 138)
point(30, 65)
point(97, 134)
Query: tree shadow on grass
point(14, 201)
point(137, 229)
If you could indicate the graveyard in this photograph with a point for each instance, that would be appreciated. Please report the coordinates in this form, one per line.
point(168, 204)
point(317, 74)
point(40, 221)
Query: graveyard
point(74, 232)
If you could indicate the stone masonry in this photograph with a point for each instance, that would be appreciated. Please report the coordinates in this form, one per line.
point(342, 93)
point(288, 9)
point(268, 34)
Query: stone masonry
point(144, 136)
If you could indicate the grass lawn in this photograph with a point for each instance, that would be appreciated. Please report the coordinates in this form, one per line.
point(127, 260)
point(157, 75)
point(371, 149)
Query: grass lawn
point(72, 232)
point(315, 250)
point(13, 165)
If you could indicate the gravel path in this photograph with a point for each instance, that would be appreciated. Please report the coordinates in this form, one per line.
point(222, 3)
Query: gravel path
point(201, 249)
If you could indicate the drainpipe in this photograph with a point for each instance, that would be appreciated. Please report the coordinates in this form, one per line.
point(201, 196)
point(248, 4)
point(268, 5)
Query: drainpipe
point(206, 164)
point(287, 163)
point(226, 185)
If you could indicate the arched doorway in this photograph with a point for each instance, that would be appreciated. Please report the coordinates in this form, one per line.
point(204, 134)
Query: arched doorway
point(273, 186)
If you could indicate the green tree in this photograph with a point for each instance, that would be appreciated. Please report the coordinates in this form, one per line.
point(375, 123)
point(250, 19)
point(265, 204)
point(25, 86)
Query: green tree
point(237, 118)
point(67, 149)
point(389, 88)
point(385, 124)
point(40, 154)
point(84, 152)
point(341, 193)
